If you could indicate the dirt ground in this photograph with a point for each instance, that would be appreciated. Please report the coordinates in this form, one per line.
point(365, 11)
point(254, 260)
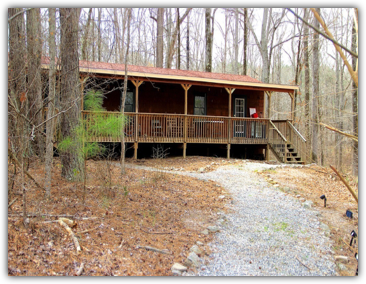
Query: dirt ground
point(124, 215)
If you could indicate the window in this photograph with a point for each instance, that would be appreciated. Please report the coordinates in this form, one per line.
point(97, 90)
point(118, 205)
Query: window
point(199, 105)
point(129, 102)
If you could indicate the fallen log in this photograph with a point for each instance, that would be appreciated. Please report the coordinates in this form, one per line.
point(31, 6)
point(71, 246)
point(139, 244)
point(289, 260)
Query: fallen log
point(346, 184)
point(165, 251)
point(78, 273)
point(72, 235)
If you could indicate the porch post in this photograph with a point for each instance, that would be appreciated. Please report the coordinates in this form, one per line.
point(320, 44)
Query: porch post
point(230, 92)
point(186, 88)
point(292, 106)
point(269, 94)
point(137, 85)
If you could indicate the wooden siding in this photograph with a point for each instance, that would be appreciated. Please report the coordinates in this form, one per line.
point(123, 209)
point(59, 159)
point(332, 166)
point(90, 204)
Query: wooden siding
point(169, 99)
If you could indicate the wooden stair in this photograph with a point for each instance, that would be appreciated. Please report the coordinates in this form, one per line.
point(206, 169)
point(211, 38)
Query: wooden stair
point(287, 146)
point(292, 156)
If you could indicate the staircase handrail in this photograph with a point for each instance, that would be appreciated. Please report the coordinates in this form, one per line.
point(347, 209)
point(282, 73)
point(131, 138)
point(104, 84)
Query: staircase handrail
point(275, 128)
point(296, 131)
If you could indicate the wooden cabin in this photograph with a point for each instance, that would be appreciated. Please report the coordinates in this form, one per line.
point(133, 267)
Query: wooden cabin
point(191, 107)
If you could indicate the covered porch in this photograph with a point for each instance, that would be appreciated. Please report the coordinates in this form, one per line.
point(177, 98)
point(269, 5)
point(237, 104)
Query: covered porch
point(162, 108)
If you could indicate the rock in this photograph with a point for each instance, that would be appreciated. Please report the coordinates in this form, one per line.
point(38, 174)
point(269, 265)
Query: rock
point(179, 267)
point(325, 228)
point(176, 272)
point(307, 204)
point(193, 260)
point(341, 266)
point(341, 258)
point(205, 232)
point(199, 243)
point(221, 196)
point(195, 249)
point(213, 229)
point(201, 170)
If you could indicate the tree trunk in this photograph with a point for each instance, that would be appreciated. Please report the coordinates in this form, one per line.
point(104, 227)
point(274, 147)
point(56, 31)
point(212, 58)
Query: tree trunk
point(355, 103)
point(86, 36)
point(208, 37)
point(187, 49)
point(307, 82)
point(99, 34)
point(17, 82)
point(70, 89)
point(50, 125)
point(34, 49)
point(236, 42)
point(160, 42)
point(174, 37)
point(123, 145)
point(315, 118)
point(245, 46)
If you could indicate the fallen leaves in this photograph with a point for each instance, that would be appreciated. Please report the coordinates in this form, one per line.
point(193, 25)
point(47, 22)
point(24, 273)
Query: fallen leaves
point(145, 209)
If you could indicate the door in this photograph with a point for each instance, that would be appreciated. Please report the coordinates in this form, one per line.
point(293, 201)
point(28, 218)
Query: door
point(239, 111)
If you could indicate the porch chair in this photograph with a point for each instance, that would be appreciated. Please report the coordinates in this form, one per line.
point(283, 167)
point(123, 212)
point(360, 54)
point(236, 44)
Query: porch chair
point(172, 126)
point(156, 128)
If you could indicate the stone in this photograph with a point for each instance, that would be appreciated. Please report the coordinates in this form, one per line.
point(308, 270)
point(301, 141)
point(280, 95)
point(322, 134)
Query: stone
point(205, 232)
point(221, 196)
point(213, 229)
point(201, 170)
point(176, 272)
point(199, 243)
point(341, 258)
point(179, 267)
point(195, 249)
point(194, 259)
point(307, 204)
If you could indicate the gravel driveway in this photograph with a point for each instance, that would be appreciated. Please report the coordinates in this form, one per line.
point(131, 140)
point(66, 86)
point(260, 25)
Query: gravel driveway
point(268, 233)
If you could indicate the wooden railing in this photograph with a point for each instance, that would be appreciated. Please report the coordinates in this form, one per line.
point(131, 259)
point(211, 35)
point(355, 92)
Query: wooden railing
point(298, 141)
point(293, 137)
point(278, 142)
point(179, 128)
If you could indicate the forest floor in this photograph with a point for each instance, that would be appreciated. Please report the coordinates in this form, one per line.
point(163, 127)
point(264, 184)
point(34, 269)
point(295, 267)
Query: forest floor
point(123, 217)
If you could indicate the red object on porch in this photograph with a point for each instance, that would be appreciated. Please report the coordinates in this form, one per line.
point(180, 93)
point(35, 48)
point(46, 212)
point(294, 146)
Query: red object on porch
point(255, 115)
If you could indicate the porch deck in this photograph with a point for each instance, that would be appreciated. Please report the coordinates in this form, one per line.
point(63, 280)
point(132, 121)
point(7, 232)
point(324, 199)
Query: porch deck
point(179, 128)
point(280, 136)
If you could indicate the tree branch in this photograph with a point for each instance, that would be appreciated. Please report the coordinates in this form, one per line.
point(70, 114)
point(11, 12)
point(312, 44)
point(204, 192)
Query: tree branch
point(323, 34)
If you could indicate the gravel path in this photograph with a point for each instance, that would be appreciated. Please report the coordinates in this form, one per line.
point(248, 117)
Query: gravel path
point(268, 233)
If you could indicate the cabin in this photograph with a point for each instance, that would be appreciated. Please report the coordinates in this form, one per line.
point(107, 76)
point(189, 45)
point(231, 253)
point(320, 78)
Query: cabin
point(189, 108)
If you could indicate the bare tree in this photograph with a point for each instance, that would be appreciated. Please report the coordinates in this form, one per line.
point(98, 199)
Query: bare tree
point(245, 45)
point(174, 37)
point(209, 39)
point(160, 40)
point(70, 88)
point(17, 97)
point(355, 95)
point(85, 40)
point(315, 108)
point(50, 125)
point(123, 146)
point(34, 49)
point(307, 79)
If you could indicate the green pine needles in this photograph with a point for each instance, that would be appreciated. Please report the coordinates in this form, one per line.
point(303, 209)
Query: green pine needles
point(95, 122)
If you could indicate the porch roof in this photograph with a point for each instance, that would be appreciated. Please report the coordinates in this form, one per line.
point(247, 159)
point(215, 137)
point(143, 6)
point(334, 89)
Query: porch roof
point(184, 76)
